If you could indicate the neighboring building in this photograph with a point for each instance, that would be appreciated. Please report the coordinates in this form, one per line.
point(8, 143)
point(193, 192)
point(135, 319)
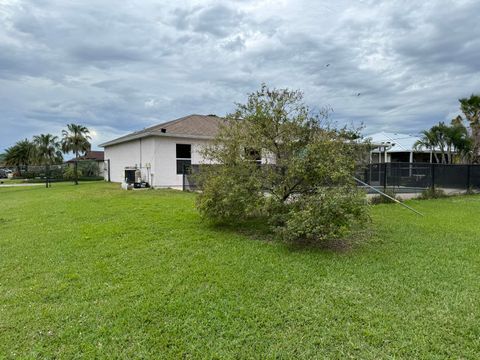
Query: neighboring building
point(97, 156)
point(159, 154)
point(394, 147)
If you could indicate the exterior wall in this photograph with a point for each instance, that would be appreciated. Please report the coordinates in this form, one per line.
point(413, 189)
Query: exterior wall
point(135, 154)
point(154, 156)
point(166, 161)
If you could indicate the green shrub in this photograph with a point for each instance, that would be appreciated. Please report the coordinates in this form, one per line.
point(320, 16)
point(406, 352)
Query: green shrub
point(431, 193)
point(69, 173)
point(226, 198)
point(274, 159)
point(26, 175)
point(88, 168)
point(330, 213)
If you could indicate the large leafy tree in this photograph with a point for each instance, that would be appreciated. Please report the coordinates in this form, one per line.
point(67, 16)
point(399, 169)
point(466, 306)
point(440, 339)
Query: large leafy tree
point(471, 109)
point(20, 154)
point(47, 151)
point(274, 159)
point(76, 139)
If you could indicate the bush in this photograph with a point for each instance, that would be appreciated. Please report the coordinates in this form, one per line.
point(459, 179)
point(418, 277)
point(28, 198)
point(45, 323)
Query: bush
point(69, 173)
point(273, 159)
point(431, 193)
point(227, 198)
point(330, 213)
point(88, 168)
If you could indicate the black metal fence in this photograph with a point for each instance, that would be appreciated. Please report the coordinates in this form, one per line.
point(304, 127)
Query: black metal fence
point(399, 177)
point(87, 170)
point(190, 181)
point(416, 177)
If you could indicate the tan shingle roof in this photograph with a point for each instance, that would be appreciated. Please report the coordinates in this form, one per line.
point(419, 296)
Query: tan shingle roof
point(90, 155)
point(191, 126)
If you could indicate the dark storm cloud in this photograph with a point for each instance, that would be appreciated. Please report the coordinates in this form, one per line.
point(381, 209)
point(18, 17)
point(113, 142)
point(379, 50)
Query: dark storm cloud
point(119, 66)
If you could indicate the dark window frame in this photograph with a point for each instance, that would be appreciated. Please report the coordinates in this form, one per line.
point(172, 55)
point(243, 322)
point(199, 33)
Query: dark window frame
point(252, 154)
point(185, 159)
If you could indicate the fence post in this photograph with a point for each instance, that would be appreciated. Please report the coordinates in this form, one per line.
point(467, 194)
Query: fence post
point(385, 177)
point(108, 164)
point(469, 166)
point(433, 176)
point(183, 177)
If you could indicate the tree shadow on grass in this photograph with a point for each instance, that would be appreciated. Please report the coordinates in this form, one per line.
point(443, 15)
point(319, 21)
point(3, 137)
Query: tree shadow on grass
point(253, 229)
point(258, 230)
point(345, 245)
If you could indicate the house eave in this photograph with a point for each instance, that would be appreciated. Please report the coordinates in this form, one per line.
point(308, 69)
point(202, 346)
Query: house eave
point(155, 134)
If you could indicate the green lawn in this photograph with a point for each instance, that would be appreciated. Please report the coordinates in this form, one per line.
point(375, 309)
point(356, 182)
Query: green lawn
point(92, 271)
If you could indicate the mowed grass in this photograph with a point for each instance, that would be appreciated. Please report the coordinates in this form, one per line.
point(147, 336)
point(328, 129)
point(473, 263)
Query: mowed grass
point(92, 271)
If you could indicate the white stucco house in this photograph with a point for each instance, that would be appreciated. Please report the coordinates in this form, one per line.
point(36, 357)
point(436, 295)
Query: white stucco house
point(158, 154)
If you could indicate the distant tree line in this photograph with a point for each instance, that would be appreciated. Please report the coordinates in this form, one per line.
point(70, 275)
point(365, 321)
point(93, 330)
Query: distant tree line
point(48, 149)
point(456, 143)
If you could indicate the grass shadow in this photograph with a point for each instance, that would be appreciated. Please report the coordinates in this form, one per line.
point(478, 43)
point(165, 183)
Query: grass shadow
point(258, 229)
point(345, 245)
point(254, 229)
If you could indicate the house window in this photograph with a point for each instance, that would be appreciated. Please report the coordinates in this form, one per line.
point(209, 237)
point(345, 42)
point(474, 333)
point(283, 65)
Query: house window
point(184, 157)
point(253, 155)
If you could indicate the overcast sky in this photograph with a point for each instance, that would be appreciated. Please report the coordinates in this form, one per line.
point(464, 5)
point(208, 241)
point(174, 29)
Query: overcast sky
point(118, 66)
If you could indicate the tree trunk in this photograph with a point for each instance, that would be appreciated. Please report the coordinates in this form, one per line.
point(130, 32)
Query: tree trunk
point(442, 150)
point(75, 171)
point(476, 143)
point(46, 176)
point(449, 154)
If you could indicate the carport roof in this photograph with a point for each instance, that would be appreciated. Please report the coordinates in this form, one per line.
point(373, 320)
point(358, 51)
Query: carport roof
point(399, 142)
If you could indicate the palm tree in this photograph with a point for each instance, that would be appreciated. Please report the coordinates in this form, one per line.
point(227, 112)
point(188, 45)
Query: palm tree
point(439, 131)
point(47, 151)
point(471, 109)
point(429, 140)
point(20, 154)
point(448, 140)
point(76, 139)
point(457, 139)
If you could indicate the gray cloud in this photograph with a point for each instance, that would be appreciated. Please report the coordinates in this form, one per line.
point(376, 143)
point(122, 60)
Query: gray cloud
point(120, 66)
point(217, 20)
